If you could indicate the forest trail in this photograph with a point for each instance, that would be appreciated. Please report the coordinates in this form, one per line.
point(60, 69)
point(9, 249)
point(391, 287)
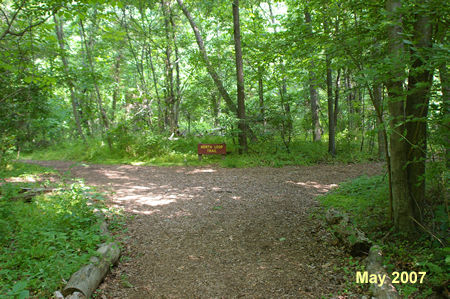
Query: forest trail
point(209, 232)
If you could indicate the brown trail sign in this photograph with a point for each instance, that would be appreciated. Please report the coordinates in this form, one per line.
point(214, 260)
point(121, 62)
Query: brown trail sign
point(211, 149)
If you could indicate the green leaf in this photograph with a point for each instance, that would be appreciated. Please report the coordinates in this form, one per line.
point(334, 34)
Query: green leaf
point(20, 286)
point(28, 79)
point(24, 294)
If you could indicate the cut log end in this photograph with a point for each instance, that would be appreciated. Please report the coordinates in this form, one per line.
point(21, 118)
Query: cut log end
point(87, 279)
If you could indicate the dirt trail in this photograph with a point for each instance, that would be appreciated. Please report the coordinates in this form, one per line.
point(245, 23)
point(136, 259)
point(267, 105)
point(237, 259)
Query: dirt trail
point(208, 232)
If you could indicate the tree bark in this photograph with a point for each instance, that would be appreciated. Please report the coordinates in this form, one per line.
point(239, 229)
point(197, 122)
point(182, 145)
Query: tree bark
point(378, 104)
point(336, 98)
point(314, 98)
point(445, 87)
point(116, 91)
point(417, 100)
point(402, 205)
point(330, 99)
point(262, 109)
point(60, 35)
point(170, 95)
point(243, 148)
point(177, 72)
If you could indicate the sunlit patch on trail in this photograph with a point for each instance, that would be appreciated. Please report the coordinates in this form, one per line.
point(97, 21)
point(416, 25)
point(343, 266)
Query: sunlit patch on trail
point(201, 170)
point(149, 200)
point(144, 212)
point(322, 188)
point(111, 174)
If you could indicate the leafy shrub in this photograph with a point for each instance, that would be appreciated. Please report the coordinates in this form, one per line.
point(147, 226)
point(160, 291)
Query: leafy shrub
point(366, 200)
point(6, 149)
point(45, 241)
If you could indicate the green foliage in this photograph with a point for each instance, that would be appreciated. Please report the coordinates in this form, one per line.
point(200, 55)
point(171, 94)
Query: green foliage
point(6, 149)
point(366, 200)
point(155, 149)
point(45, 241)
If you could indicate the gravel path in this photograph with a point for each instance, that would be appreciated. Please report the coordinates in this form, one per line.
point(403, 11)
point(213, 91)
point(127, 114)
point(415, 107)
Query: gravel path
point(209, 232)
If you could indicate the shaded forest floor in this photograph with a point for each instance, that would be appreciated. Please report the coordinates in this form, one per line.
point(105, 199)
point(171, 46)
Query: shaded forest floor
point(208, 232)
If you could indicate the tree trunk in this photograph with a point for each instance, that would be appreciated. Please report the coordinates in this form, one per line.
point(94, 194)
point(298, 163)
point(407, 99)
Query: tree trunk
point(336, 98)
point(445, 87)
point(314, 97)
point(116, 75)
point(60, 35)
point(378, 104)
point(331, 124)
point(177, 72)
point(287, 117)
point(170, 95)
point(417, 100)
point(240, 79)
point(363, 120)
point(261, 96)
point(402, 204)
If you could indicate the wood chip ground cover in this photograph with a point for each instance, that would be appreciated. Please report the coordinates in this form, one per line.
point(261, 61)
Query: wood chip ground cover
point(209, 232)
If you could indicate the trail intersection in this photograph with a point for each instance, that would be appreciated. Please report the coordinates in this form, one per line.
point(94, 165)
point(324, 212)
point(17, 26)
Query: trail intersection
point(208, 232)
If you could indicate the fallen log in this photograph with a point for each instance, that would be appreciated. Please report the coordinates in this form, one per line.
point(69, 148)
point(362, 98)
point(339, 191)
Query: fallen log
point(353, 239)
point(375, 266)
point(87, 279)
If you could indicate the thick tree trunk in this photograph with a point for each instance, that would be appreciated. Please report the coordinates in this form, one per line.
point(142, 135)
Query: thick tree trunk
point(60, 35)
point(240, 79)
point(403, 210)
point(314, 97)
point(417, 100)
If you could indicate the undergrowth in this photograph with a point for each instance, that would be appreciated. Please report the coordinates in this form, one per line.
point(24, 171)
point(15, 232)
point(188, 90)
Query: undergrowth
point(44, 241)
point(159, 150)
point(366, 200)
